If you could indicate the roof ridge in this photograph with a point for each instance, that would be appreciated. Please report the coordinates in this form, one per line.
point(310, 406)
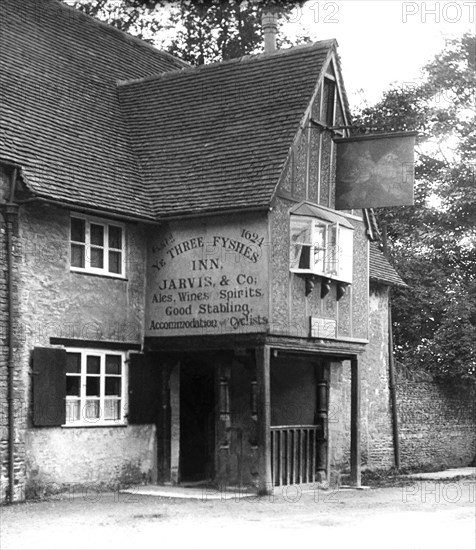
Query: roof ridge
point(332, 42)
point(125, 36)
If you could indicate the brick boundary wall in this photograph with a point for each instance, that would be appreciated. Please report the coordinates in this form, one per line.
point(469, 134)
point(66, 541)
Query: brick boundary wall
point(437, 423)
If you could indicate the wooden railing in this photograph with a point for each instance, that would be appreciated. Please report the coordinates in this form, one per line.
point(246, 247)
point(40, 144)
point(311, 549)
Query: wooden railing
point(297, 454)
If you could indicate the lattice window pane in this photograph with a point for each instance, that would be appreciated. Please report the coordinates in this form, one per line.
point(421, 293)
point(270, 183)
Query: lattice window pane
point(78, 255)
point(112, 409)
point(92, 409)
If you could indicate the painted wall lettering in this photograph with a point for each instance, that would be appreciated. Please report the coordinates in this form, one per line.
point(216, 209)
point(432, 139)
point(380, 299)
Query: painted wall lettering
point(208, 279)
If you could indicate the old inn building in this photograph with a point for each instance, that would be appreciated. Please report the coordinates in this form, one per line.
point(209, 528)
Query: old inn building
point(180, 300)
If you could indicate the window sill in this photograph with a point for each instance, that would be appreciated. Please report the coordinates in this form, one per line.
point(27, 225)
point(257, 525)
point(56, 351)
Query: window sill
point(94, 425)
point(102, 275)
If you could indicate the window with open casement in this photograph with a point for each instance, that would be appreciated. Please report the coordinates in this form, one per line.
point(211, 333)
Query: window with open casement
point(321, 247)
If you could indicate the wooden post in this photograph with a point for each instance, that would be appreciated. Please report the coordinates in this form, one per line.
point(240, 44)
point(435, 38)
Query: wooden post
point(355, 478)
point(264, 420)
point(164, 426)
point(175, 424)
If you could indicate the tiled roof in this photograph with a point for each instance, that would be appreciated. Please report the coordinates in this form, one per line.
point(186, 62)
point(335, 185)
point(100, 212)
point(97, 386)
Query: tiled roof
point(381, 270)
point(60, 118)
point(216, 137)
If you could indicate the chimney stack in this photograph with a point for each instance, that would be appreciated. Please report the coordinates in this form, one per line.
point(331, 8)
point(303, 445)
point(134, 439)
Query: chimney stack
point(269, 22)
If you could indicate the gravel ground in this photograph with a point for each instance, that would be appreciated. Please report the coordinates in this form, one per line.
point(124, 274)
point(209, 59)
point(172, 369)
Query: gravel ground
point(423, 514)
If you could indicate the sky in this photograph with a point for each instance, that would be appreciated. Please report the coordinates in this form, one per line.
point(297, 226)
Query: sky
point(381, 42)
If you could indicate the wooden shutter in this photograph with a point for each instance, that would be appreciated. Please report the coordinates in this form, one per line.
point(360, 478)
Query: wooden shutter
point(49, 386)
point(144, 389)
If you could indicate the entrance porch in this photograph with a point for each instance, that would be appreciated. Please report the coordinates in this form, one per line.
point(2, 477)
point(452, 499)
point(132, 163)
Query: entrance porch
point(249, 416)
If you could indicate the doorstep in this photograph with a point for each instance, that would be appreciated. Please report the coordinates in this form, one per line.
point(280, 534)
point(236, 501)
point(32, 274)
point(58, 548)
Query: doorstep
point(194, 493)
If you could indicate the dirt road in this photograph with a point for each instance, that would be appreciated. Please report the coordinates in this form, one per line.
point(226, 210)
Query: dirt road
point(424, 514)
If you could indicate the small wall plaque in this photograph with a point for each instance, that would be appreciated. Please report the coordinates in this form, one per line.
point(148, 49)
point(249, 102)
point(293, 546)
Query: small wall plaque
point(323, 328)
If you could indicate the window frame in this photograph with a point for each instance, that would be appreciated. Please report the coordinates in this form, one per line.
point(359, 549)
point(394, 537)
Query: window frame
point(329, 108)
point(337, 254)
point(106, 247)
point(83, 420)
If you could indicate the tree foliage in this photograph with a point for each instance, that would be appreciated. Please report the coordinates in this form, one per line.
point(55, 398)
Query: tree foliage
point(433, 243)
point(198, 32)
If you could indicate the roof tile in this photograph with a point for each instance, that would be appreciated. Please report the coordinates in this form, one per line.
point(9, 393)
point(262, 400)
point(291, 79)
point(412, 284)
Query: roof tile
point(60, 118)
point(217, 136)
point(380, 268)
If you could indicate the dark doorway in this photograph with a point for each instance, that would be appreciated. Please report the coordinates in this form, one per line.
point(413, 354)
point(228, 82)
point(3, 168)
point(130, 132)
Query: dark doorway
point(197, 421)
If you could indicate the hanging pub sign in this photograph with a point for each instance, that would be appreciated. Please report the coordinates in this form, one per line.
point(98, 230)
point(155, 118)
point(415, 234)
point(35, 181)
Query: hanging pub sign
point(375, 170)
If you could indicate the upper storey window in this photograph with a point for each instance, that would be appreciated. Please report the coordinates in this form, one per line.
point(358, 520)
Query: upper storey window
point(97, 246)
point(322, 246)
point(328, 107)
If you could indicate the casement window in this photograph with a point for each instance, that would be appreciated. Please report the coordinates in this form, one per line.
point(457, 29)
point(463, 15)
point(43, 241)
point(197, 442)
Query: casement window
point(95, 386)
point(97, 246)
point(79, 386)
point(321, 247)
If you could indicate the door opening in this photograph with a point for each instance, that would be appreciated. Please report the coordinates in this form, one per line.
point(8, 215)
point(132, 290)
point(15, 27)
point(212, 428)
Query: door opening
point(197, 421)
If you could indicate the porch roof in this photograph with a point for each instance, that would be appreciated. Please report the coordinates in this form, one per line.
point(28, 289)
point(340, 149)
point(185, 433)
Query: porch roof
point(308, 209)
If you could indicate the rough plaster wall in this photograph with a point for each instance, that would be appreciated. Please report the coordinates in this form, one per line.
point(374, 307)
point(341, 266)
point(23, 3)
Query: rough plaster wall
point(314, 302)
point(279, 223)
point(360, 282)
point(300, 158)
point(325, 165)
point(298, 314)
point(313, 190)
point(58, 458)
point(329, 303)
point(55, 302)
point(344, 320)
point(286, 181)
